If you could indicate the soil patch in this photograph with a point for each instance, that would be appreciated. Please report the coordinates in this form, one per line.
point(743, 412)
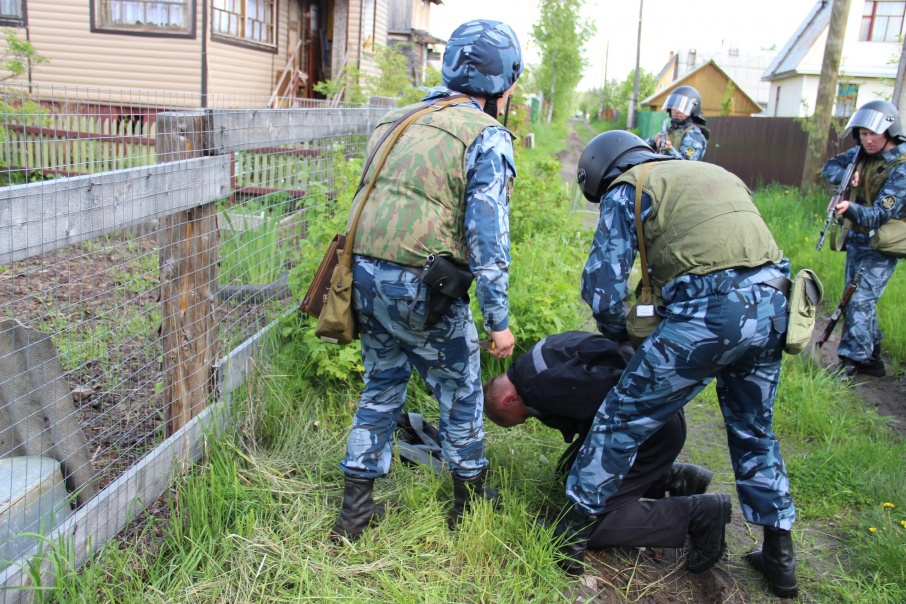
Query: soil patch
point(100, 301)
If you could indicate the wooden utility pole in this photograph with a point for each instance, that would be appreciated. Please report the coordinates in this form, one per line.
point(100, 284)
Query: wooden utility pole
point(827, 93)
point(634, 97)
point(188, 243)
point(899, 91)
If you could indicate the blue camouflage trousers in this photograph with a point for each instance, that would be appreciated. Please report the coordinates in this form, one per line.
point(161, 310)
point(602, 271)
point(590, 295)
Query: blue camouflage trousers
point(736, 337)
point(391, 313)
point(861, 333)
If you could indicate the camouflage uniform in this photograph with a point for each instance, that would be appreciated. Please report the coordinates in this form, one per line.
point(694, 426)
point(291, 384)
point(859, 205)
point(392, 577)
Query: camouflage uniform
point(391, 310)
point(693, 144)
point(727, 325)
point(861, 339)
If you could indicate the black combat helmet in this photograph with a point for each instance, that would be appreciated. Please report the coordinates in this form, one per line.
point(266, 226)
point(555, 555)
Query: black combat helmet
point(688, 100)
point(606, 157)
point(879, 117)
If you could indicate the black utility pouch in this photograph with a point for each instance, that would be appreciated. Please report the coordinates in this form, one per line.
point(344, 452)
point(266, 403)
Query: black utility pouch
point(446, 282)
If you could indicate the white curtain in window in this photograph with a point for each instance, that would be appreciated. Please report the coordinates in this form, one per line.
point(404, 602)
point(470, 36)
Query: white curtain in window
point(11, 8)
point(170, 13)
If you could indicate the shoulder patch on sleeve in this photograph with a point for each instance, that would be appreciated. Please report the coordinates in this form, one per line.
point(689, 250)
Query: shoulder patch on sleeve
point(689, 152)
point(509, 189)
point(887, 203)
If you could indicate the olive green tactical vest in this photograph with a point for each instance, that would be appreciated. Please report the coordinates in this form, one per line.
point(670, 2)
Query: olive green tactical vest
point(702, 221)
point(677, 136)
point(873, 174)
point(417, 205)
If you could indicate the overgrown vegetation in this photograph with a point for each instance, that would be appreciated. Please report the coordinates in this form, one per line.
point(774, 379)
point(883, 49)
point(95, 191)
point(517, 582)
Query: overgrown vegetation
point(251, 524)
point(561, 34)
point(393, 80)
point(16, 105)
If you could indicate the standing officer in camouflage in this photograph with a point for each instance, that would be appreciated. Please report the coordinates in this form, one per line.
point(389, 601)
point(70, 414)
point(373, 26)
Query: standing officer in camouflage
point(686, 135)
point(715, 270)
point(880, 186)
point(444, 190)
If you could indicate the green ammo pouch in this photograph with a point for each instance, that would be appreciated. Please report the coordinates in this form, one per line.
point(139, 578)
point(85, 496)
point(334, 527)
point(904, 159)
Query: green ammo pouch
point(890, 238)
point(804, 296)
point(446, 282)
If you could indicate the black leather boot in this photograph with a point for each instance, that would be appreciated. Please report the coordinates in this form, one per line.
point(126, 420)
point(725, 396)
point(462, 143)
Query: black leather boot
point(359, 509)
point(777, 562)
point(685, 479)
point(575, 529)
point(466, 490)
point(708, 519)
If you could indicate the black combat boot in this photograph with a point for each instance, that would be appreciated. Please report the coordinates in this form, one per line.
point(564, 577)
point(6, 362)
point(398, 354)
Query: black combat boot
point(466, 490)
point(686, 479)
point(359, 509)
point(776, 561)
point(708, 519)
point(575, 529)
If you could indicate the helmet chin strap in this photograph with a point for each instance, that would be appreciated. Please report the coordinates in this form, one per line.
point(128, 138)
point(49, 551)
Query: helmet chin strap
point(490, 106)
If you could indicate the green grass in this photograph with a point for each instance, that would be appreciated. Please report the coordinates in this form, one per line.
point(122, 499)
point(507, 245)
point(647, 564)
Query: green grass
point(251, 524)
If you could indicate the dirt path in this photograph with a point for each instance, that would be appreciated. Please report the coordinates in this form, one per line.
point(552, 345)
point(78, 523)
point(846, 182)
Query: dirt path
point(657, 576)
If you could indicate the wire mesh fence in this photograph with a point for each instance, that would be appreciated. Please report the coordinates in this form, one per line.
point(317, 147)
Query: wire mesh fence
point(143, 240)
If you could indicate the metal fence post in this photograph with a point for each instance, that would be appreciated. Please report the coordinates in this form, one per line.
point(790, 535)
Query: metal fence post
point(188, 243)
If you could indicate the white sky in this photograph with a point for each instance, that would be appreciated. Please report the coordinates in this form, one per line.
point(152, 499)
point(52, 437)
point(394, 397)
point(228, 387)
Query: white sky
point(707, 25)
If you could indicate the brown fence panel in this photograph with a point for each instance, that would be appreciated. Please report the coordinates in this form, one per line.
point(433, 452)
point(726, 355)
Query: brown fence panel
point(764, 150)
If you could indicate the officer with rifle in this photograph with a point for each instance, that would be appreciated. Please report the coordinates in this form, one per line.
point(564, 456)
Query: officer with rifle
point(876, 172)
point(683, 134)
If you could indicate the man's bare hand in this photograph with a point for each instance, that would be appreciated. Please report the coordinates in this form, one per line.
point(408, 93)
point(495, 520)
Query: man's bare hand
point(504, 342)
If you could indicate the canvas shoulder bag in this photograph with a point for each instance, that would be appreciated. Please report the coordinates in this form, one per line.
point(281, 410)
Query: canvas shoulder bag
point(643, 316)
point(803, 298)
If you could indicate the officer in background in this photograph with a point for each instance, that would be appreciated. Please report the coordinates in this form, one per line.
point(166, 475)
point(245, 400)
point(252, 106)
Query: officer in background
point(880, 187)
point(715, 271)
point(444, 189)
point(561, 381)
point(686, 135)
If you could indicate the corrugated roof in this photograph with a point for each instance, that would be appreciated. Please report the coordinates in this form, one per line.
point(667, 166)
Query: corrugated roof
point(789, 57)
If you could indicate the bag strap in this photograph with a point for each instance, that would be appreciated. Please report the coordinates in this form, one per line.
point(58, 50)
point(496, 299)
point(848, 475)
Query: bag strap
point(647, 295)
point(397, 129)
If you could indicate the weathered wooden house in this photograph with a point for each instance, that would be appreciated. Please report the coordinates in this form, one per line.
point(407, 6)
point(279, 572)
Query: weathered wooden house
point(408, 28)
point(193, 52)
point(720, 94)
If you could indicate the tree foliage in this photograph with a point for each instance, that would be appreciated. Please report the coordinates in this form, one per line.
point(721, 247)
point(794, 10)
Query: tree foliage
point(615, 95)
point(16, 104)
point(18, 56)
point(561, 35)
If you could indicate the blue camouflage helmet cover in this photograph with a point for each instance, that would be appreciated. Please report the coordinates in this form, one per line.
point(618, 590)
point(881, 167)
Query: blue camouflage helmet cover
point(482, 57)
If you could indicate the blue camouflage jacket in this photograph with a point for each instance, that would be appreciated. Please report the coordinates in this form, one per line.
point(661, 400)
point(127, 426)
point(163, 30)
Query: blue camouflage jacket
point(693, 145)
point(890, 201)
point(605, 278)
point(490, 170)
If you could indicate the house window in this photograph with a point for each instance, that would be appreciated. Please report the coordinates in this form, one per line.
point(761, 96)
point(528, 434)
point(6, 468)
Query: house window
point(252, 21)
point(368, 21)
point(845, 104)
point(12, 12)
point(148, 16)
point(882, 21)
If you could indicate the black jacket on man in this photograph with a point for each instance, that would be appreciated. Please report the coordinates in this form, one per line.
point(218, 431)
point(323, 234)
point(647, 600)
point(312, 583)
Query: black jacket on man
point(564, 379)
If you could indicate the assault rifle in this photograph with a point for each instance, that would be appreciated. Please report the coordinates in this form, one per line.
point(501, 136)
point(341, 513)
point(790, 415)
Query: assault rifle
point(839, 195)
point(838, 312)
point(662, 144)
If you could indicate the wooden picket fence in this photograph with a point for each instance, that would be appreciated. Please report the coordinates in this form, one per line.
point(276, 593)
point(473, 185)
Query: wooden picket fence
point(67, 144)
